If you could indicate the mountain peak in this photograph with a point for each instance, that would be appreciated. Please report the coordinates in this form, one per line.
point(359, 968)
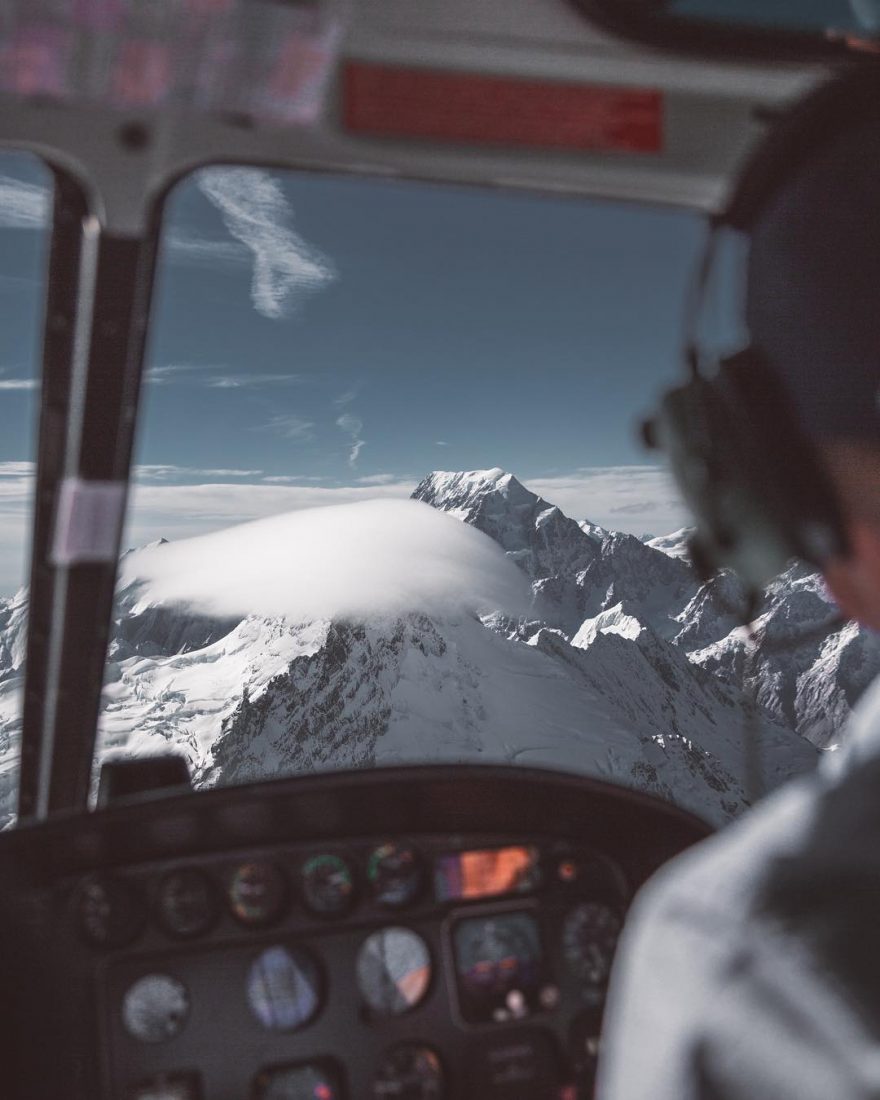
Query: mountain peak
point(537, 535)
point(448, 489)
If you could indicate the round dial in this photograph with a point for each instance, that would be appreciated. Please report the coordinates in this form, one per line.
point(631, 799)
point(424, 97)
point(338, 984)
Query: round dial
point(110, 912)
point(328, 884)
point(257, 893)
point(395, 874)
point(499, 965)
point(299, 1082)
point(393, 970)
point(186, 904)
point(409, 1072)
point(284, 988)
point(155, 1008)
point(589, 939)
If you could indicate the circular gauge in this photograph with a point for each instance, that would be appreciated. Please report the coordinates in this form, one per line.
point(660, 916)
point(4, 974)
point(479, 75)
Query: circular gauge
point(589, 938)
point(394, 873)
point(409, 1072)
point(284, 988)
point(186, 904)
point(257, 893)
point(301, 1082)
point(498, 962)
point(155, 1008)
point(110, 912)
point(393, 970)
point(328, 884)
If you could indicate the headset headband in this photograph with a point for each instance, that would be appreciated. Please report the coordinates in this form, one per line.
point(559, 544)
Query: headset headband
point(849, 99)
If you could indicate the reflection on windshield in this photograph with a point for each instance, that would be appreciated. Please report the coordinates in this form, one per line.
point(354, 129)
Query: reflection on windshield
point(25, 211)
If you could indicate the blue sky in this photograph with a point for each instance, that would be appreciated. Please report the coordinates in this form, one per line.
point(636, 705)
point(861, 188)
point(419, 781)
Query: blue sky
point(320, 339)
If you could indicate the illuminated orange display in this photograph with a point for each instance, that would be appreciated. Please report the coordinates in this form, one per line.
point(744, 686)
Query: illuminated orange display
point(486, 873)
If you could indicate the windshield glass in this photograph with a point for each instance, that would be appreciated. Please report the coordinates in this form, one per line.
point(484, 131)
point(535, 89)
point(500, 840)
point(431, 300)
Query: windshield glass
point(388, 437)
point(25, 215)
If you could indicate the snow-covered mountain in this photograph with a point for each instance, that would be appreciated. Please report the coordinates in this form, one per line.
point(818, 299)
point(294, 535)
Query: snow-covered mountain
point(626, 667)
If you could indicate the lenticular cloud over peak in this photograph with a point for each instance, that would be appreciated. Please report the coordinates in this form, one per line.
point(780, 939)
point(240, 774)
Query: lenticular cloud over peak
point(377, 557)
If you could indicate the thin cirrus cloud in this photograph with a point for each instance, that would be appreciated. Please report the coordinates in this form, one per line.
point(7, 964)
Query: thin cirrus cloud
point(212, 376)
point(11, 384)
point(158, 472)
point(353, 426)
point(23, 205)
point(378, 479)
point(257, 215)
point(292, 427)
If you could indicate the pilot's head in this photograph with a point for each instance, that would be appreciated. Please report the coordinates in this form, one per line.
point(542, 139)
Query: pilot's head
point(775, 443)
point(813, 309)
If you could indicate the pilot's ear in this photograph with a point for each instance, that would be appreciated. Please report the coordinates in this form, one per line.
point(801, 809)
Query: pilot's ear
point(854, 581)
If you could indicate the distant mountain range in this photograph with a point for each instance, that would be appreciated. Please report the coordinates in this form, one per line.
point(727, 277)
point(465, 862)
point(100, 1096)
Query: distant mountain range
point(627, 667)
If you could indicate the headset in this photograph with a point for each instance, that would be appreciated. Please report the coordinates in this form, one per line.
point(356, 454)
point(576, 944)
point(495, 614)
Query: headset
point(742, 460)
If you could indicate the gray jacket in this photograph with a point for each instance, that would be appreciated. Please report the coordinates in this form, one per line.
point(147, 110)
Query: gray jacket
point(750, 967)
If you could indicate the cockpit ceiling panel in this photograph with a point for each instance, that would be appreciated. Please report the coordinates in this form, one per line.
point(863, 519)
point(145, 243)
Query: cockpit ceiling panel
point(261, 81)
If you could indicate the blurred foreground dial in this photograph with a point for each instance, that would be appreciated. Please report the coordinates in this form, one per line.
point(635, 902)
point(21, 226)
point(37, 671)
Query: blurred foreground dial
point(409, 1072)
point(589, 939)
point(393, 970)
point(186, 903)
point(284, 988)
point(300, 1082)
point(155, 1008)
point(394, 872)
point(257, 893)
point(110, 911)
point(328, 884)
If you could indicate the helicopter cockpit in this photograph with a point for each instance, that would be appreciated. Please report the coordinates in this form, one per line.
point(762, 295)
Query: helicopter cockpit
point(231, 867)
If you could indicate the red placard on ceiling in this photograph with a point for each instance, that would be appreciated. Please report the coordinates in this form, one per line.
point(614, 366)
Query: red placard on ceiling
point(475, 109)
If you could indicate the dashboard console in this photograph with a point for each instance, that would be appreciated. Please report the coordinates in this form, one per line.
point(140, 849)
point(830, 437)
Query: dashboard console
point(437, 932)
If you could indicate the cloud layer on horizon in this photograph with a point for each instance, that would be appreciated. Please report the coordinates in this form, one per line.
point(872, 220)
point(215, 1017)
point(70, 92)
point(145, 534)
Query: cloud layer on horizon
point(635, 499)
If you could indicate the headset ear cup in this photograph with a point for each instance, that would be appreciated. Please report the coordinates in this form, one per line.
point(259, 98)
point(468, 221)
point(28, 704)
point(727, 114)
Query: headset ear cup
point(751, 478)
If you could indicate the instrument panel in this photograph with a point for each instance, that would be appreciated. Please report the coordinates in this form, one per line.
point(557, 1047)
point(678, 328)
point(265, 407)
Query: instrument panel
point(439, 932)
point(427, 967)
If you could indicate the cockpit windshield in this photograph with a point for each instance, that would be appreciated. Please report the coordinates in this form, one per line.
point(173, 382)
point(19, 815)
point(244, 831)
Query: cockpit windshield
point(389, 504)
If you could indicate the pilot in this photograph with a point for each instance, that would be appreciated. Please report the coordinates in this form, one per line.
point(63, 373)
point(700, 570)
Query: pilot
point(750, 967)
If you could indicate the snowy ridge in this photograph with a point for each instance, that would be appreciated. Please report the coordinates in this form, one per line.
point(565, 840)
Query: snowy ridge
point(626, 667)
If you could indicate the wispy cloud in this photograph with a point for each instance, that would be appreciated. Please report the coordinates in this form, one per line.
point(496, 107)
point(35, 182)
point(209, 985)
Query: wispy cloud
point(256, 213)
point(186, 247)
point(166, 374)
point(378, 479)
point(353, 426)
point(293, 479)
point(243, 381)
point(291, 427)
point(154, 472)
point(19, 383)
point(216, 377)
point(23, 205)
point(441, 443)
point(346, 398)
